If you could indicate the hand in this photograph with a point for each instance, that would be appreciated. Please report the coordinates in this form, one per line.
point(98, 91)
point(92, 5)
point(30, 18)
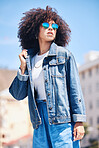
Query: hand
point(22, 57)
point(78, 131)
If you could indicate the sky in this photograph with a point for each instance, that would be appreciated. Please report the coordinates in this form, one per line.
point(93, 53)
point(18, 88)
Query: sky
point(82, 16)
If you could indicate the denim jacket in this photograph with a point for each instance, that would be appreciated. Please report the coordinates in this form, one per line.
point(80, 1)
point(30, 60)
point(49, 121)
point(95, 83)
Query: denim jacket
point(64, 97)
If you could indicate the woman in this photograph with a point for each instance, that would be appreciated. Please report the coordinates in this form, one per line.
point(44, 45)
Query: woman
point(49, 77)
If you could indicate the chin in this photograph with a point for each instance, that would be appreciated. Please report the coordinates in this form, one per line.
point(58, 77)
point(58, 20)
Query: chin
point(50, 39)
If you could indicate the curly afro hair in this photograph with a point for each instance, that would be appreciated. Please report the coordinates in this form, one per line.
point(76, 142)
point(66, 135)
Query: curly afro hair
point(30, 24)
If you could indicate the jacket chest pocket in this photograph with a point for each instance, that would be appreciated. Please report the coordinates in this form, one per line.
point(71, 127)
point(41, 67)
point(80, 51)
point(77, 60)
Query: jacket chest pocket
point(57, 67)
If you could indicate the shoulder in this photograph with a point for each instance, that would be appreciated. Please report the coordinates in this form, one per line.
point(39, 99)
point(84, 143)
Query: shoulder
point(64, 50)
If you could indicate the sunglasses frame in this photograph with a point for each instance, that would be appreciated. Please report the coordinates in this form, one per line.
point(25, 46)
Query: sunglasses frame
point(54, 26)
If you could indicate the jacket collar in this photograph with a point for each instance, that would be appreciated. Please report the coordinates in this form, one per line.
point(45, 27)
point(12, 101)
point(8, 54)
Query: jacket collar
point(53, 50)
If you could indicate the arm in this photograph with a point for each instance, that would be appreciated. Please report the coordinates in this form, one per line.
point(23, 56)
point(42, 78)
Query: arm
point(75, 95)
point(75, 98)
point(19, 86)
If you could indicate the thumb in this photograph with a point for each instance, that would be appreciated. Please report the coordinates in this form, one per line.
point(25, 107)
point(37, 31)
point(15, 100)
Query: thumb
point(74, 132)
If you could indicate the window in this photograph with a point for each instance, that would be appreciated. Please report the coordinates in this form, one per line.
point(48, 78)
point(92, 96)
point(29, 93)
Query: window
point(97, 69)
point(83, 75)
point(90, 72)
point(91, 121)
point(83, 90)
point(97, 103)
point(97, 86)
point(97, 120)
point(90, 105)
point(89, 89)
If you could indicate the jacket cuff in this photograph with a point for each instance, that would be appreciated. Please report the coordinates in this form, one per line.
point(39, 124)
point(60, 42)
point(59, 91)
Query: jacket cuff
point(79, 118)
point(21, 77)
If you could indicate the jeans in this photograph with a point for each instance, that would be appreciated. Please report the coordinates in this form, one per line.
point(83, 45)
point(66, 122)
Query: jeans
point(55, 135)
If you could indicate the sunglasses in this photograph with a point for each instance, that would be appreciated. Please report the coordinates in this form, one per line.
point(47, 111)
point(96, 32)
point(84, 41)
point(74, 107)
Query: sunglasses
point(46, 25)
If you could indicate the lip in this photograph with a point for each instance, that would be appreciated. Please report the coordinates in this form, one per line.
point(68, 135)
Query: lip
point(50, 33)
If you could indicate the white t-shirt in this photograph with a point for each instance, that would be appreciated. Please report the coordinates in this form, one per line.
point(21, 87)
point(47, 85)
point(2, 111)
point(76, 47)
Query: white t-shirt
point(37, 75)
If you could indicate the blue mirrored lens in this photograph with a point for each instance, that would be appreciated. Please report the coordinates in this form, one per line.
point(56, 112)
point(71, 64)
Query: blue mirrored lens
point(45, 25)
point(54, 26)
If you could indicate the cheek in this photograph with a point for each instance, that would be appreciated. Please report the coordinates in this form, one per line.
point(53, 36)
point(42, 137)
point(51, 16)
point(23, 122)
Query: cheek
point(41, 33)
point(55, 33)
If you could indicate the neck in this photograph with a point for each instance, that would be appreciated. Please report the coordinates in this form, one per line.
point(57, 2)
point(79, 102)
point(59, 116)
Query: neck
point(44, 47)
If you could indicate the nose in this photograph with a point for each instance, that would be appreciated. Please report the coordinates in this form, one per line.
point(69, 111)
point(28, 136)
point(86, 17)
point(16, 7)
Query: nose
point(50, 27)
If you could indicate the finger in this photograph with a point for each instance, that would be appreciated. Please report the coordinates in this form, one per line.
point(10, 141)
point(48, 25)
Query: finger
point(76, 134)
point(79, 137)
point(81, 133)
point(23, 53)
point(22, 71)
point(76, 139)
point(75, 131)
point(22, 58)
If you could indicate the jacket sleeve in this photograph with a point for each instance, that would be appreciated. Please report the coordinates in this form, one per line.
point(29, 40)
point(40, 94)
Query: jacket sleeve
point(19, 86)
point(76, 99)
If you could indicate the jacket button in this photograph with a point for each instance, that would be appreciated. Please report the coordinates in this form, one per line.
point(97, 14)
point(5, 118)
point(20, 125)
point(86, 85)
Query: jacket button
point(50, 108)
point(44, 68)
point(46, 81)
point(29, 69)
point(48, 94)
point(52, 121)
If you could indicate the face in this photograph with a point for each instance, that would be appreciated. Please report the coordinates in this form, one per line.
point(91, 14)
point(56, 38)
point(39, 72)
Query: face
point(48, 34)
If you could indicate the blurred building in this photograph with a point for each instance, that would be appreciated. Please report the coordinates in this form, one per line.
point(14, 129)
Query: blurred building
point(6, 77)
point(89, 77)
point(14, 121)
point(22, 142)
